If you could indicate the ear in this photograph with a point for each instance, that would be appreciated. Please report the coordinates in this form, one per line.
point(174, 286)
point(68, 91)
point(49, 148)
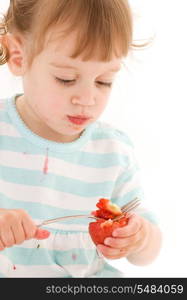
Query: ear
point(17, 55)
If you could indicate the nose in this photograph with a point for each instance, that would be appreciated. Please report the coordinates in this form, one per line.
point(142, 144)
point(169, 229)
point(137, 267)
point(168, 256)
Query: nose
point(85, 96)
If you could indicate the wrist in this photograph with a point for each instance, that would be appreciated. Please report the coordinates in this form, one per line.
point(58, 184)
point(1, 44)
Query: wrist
point(149, 249)
point(146, 235)
point(145, 241)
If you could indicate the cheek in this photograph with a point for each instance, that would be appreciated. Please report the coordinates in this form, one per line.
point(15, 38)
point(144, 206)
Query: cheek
point(45, 108)
point(101, 104)
point(51, 105)
point(54, 110)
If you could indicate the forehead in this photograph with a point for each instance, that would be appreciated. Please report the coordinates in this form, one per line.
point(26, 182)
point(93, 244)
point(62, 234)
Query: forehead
point(59, 50)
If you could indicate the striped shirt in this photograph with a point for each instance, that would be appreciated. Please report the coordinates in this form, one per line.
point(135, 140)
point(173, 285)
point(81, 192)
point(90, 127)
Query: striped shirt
point(49, 180)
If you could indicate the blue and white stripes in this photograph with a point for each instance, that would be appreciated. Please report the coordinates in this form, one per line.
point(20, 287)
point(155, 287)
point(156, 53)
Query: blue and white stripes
point(49, 180)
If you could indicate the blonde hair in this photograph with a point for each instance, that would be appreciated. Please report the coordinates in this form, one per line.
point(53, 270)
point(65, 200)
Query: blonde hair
point(105, 25)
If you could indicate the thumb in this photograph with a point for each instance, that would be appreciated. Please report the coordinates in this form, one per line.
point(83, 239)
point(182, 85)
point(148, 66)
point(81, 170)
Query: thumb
point(41, 234)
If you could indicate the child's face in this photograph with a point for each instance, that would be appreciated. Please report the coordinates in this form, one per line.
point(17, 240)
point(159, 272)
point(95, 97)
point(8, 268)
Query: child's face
point(48, 102)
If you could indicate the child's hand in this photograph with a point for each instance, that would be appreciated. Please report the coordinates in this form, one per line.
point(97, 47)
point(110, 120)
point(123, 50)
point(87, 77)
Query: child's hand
point(126, 240)
point(16, 226)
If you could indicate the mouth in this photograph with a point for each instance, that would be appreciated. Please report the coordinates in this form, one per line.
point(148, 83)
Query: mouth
point(78, 120)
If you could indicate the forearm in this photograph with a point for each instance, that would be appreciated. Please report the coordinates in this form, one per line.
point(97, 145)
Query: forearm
point(150, 249)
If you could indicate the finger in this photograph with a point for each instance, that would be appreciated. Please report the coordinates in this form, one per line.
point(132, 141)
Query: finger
point(123, 252)
point(122, 242)
point(133, 226)
point(7, 237)
point(29, 228)
point(111, 253)
point(41, 234)
point(108, 251)
point(121, 255)
point(18, 233)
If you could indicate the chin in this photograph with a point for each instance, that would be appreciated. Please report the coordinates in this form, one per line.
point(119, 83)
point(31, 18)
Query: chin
point(75, 128)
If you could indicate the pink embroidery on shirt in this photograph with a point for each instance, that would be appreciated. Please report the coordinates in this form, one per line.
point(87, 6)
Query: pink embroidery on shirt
point(74, 256)
point(45, 169)
point(1, 105)
point(14, 267)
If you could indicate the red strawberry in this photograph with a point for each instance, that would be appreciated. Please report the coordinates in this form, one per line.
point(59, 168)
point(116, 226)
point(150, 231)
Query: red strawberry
point(101, 229)
point(104, 214)
point(107, 210)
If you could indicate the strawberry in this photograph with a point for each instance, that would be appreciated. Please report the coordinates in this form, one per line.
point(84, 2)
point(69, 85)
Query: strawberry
point(104, 214)
point(107, 210)
point(102, 228)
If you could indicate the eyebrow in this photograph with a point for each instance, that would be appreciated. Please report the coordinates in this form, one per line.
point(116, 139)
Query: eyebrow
point(70, 67)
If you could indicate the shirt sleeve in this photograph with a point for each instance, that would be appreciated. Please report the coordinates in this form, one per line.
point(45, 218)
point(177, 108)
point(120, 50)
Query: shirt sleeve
point(128, 184)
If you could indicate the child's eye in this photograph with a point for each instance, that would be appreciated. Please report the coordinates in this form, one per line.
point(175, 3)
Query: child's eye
point(63, 81)
point(68, 82)
point(108, 84)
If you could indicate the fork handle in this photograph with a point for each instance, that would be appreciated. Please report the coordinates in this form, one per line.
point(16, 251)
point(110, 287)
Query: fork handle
point(46, 222)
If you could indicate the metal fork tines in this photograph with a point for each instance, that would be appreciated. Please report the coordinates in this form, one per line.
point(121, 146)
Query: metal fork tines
point(131, 205)
point(128, 207)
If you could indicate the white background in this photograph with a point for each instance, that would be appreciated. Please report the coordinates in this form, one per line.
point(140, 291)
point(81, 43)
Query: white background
point(148, 101)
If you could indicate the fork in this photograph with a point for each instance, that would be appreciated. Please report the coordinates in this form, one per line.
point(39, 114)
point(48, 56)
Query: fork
point(125, 208)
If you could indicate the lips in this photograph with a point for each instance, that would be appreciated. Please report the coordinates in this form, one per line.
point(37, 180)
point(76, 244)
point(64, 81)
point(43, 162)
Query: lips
point(79, 120)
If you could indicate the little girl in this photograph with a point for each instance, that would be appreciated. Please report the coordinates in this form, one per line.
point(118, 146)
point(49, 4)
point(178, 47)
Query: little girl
point(56, 158)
